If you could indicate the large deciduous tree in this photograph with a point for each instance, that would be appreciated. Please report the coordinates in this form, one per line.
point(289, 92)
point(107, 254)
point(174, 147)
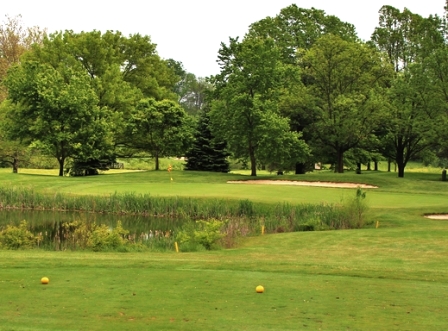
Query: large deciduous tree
point(57, 108)
point(245, 106)
point(161, 128)
point(295, 30)
point(118, 70)
point(409, 41)
point(122, 70)
point(346, 84)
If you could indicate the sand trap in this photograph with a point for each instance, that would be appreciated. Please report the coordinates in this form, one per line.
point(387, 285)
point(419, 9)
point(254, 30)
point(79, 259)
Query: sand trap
point(301, 183)
point(438, 216)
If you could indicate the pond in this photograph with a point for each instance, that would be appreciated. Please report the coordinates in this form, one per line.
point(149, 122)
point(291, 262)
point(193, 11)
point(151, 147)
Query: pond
point(52, 225)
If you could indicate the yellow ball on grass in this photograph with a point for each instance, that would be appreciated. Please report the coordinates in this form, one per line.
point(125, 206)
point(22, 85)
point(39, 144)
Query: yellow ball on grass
point(44, 280)
point(259, 289)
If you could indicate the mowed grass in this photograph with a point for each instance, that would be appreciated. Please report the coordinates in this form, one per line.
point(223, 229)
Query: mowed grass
point(393, 277)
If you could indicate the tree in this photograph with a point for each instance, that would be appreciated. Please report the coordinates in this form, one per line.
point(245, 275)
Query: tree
point(13, 152)
point(413, 118)
point(57, 108)
point(346, 79)
point(408, 41)
point(161, 128)
point(15, 40)
point(120, 70)
point(207, 154)
point(245, 109)
point(295, 30)
point(191, 90)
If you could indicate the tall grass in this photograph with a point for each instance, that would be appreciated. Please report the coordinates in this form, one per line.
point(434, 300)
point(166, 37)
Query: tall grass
point(282, 217)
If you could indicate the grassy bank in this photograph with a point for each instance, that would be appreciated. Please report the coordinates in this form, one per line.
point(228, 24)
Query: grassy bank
point(377, 279)
point(388, 278)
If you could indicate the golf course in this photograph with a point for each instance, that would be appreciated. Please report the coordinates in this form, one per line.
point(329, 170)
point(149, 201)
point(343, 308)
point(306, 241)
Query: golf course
point(389, 275)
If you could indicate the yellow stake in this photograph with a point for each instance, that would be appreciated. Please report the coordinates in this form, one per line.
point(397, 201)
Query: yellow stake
point(377, 224)
point(262, 230)
point(177, 247)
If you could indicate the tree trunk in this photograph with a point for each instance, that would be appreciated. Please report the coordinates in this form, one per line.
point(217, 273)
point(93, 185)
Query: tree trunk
point(401, 164)
point(368, 166)
point(358, 168)
point(340, 165)
point(61, 166)
point(253, 163)
point(401, 170)
point(300, 168)
point(375, 167)
point(157, 166)
point(15, 165)
point(388, 164)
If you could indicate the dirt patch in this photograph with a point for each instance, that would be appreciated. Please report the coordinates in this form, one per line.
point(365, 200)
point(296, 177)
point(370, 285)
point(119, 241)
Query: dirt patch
point(438, 216)
point(301, 183)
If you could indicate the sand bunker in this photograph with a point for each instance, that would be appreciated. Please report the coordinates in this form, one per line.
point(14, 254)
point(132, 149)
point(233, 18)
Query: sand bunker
point(301, 183)
point(438, 216)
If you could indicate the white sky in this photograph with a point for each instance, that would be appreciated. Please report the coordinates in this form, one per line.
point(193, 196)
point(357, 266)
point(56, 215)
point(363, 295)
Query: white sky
point(191, 31)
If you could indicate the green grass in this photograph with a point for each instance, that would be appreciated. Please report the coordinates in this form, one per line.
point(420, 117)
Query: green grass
point(390, 278)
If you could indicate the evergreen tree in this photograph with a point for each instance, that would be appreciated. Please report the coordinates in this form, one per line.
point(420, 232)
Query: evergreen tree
point(207, 154)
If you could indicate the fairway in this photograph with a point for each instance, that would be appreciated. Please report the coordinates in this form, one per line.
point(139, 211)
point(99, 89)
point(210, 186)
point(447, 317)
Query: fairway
point(390, 277)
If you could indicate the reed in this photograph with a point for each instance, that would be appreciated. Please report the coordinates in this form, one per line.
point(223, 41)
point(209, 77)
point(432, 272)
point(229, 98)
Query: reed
point(243, 217)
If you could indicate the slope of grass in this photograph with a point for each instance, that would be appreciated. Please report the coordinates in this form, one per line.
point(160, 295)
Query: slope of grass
point(363, 280)
point(393, 277)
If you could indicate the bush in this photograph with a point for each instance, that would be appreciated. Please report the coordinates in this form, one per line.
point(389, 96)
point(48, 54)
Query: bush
point(85, 235)
point(17, 237)
point(204, 233)
point(103, 238)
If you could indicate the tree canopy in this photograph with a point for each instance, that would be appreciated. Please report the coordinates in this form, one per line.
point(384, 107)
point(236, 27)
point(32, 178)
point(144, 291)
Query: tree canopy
point(244, 110)
point(58, 109)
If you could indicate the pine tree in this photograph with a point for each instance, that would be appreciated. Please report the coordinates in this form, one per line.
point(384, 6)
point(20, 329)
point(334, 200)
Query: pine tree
point(206, 153)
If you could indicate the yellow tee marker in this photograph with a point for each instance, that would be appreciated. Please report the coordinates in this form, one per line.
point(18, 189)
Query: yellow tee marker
point(169, 171)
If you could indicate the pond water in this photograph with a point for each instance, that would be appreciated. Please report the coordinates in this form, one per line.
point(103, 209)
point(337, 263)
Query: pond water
point(50, 224)
point(45, 220)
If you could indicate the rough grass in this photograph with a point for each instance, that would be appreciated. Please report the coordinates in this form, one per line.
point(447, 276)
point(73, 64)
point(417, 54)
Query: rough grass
point(377, 279)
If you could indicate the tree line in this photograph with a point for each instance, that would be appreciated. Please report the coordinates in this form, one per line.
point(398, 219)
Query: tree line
point(299, 88)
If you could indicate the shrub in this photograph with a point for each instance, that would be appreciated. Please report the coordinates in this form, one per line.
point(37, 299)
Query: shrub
point(17, 237)
point(103, 238)
point(204, 233)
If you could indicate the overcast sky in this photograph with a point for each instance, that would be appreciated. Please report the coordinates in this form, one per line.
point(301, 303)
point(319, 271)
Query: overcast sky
point(191, 31)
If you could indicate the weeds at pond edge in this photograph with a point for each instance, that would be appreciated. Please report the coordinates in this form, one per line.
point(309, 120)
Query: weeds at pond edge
point(236, 218)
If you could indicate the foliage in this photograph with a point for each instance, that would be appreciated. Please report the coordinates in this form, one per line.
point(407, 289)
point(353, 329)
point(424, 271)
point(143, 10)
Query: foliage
point(57, 107)
point(103, 238)
point(410, 43)
point(17, 237)
point(245, 106)
point(206, 233)
point(13, 152)
point(347, 86)
point(295, 30)
point(161, 128)
point(95, 79)
point(207, 154)
point(191, 90)
point(15, 40)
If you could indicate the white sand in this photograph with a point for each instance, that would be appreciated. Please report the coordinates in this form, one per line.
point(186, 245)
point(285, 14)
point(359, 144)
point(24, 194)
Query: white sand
point(301, 183)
